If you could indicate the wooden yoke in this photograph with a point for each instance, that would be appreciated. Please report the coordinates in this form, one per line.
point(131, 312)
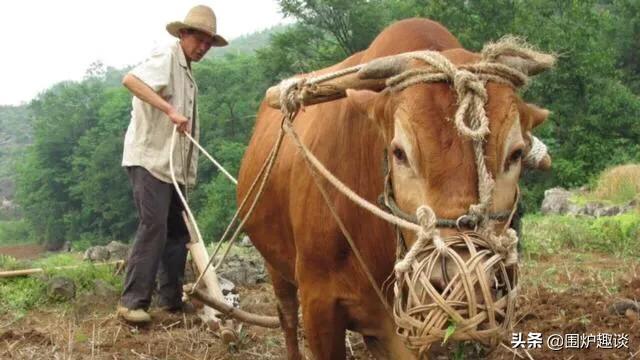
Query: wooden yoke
point(333, 89)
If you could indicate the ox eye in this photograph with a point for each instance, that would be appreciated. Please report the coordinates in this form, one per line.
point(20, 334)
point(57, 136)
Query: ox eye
point(399, 155)
point(514, 158)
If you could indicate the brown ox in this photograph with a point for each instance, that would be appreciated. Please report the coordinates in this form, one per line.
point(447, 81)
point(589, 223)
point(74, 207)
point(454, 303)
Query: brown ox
point(306, 253)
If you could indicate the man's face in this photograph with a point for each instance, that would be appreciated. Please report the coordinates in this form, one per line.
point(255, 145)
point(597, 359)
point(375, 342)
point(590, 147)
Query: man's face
point(195, 44)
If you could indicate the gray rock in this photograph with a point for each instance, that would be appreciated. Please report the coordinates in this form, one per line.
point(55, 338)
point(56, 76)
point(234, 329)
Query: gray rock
point(118, 250)
point(556, 201)
point(96, 253)
point(243, 272)
point(61, 289)
point(620, 307)
point(596, 209)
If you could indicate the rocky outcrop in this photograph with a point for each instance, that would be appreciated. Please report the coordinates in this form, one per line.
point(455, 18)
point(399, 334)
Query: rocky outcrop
point(96, 253)
point(118, 250)
point(115, 250)
point(557, 201)
point(560, 201)
point(243, 271)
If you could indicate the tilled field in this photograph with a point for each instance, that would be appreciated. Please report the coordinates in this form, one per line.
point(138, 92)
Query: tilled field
point(560, 297)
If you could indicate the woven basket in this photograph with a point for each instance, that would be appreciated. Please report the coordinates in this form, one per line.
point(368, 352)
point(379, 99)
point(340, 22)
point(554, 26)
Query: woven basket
point(478, 300)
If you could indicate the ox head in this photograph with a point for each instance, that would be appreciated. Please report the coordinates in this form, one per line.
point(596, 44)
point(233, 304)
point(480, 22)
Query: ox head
point(431, 161)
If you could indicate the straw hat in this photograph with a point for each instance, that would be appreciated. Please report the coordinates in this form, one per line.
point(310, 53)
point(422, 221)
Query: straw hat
point(200, 18)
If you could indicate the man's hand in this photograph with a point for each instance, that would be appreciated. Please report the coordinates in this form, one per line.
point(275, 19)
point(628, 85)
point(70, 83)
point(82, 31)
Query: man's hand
point(180, 120)
point(146, 94)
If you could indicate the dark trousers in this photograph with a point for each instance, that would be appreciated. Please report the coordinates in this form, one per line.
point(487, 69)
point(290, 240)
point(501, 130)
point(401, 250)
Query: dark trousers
point(159, 248)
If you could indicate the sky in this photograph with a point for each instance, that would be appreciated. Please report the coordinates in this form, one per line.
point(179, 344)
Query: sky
point(48, 41)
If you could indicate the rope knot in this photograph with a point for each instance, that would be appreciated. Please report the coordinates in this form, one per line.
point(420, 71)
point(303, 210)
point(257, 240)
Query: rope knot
point(472, 96)
point(466, 82)
point(427, 220)
point(506, 245)
point(289, 99)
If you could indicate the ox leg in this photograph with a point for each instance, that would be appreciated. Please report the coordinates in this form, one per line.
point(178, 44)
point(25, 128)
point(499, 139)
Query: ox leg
point(325, 324)
point(287, 295)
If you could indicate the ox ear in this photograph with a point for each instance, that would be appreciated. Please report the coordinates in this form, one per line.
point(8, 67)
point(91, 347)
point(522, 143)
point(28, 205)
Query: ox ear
point(363, 101)
point(538, 115)
point(532, 116)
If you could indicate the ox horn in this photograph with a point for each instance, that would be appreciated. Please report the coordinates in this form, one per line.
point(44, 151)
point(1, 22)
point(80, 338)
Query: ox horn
point(369, 76)
point(386, 67)
point(516, 53)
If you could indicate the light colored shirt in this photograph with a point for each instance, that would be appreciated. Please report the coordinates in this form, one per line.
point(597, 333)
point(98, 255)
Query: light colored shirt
point(148, 138)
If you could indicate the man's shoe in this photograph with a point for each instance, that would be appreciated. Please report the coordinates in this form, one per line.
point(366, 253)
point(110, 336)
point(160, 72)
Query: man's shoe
point(134, 316)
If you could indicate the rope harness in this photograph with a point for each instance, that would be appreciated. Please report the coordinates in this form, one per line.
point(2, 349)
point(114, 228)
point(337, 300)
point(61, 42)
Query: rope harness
point(479, 298)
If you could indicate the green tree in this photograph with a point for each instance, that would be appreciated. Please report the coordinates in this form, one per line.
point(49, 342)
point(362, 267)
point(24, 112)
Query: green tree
point(101, 185)
point(62, 115)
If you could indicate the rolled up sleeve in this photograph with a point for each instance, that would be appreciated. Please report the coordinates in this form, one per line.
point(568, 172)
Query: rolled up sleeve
point(155, 71)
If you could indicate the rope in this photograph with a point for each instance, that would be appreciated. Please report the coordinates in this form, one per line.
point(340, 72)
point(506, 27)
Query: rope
point(537, 152)
point(316, 171)
point(217, 164)
point(346, 191)
point(262, 177)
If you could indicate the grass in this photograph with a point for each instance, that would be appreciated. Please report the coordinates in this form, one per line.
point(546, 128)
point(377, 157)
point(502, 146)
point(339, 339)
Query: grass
point(619, 184)
point(21, 294)
point(8, 263)
point(553, 234)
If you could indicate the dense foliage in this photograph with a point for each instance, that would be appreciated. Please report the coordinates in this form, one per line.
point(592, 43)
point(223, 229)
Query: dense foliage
point(71, 187)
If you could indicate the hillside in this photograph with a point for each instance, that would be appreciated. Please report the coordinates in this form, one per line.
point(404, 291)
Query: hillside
point(247, 44)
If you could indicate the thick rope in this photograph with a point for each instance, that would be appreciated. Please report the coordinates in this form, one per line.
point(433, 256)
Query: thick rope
point(537, 152)
point(427, 219)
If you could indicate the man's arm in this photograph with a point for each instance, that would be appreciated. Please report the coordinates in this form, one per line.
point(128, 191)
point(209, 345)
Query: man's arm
point(142, 91)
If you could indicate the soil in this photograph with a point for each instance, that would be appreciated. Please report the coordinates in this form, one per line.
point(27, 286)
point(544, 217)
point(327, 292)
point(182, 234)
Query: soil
point(559, 295)
point(23, 252)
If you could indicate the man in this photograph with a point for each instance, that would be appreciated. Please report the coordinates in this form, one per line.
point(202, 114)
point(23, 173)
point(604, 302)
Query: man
point(164, 95)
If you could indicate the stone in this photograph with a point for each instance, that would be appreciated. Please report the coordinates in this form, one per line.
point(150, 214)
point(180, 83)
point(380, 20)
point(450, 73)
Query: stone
point(96, 253)
point(243, 272)
point(621, 307)
point(556, 201)
point(118, 250)
point(229, 292)
point(61, 289)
